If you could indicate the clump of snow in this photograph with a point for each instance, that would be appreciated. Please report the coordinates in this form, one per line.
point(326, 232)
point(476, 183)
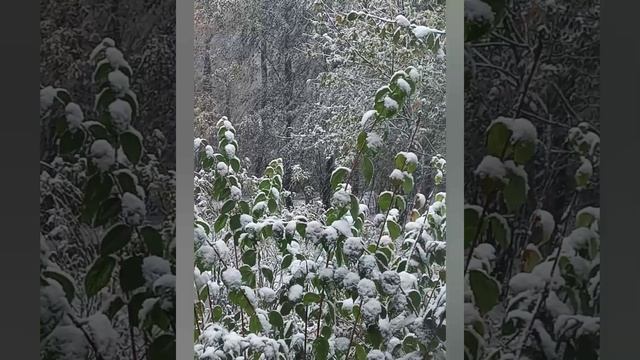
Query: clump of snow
point(374, 141)
point(370, 310)
point(491, 167)
point(47, 97)
point(367, 288)
point(353, 247)
point(295, 293)
point(153, 267)
point(370, 114)
point(396, 175)
point(341, 198)
point(222, 168)
point(119, 82)
point(543, 270)
point(115, 57)
point(104, 336)
point(376, 355)
point(523, 130)
point(408, 281)
point(367, 266)
point(421, 31)
point(341, 343)
point(145, 309)
point(133, 209)
point(403, 21)
point(208, 150)
point(343, 227)
point(390, 282)
point(53, 307)
point(66, 342)
point(351, 281)
point(471, 314)
point(404, 86)
point(102, 154)
point(390, 104)
point(74, 115)
point(544, 219)
point(120, 112)
point(414, 74)
point(478, 11)
point(229, 135)
point(232, 278)
point(347, 304)
point(230, 149)
point(236, 193)
point(525, 282)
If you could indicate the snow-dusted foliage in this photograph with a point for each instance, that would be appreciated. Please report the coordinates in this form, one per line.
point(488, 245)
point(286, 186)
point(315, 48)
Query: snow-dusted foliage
point(107, 230)
point(531, 232)
point(551, 301)
point(273, 284)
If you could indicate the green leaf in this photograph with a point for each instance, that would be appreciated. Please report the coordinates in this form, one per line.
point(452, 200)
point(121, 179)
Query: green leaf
point(254, 324)
point(394, 229)
point(500, 229)
point(115, 239)
point(399, 161)
point(131, 145)
point(64, 280)
point(523, 151)
point(361, 352)
point(228, 206)
point(249, 257)
point(321, 348)
point(355, 207)
point(338, 176)
point(217, 313)
point(163, 348)
point(71, 142)
point(127, 182)
point(272, 205)
point(108, 210)
point(414, 296)
point(286, 261)
point(384, 200)
point(221, 221)
point(267, 273)
point(374, 337)
point(310, 298)
point(367, 170)
point(114, 307)
point(486, 290)
point(472, 219)
point(153, 240)
point(361, 144)
point(131, 273)
point(275, 318)
point(400, 203)
point(99, 275)
point(498, 136)
point(235, 164)
point(515, 192)
point(134, 306)
point(234, 222)
point(407, 184)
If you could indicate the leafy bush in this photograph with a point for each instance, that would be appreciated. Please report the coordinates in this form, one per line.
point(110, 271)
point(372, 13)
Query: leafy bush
point(107, 225)
point(273, 284)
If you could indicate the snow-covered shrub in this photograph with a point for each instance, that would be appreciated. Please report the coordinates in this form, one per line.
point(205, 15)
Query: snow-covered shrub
point(549, 306)
point(273, 284)
point(107, 229)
